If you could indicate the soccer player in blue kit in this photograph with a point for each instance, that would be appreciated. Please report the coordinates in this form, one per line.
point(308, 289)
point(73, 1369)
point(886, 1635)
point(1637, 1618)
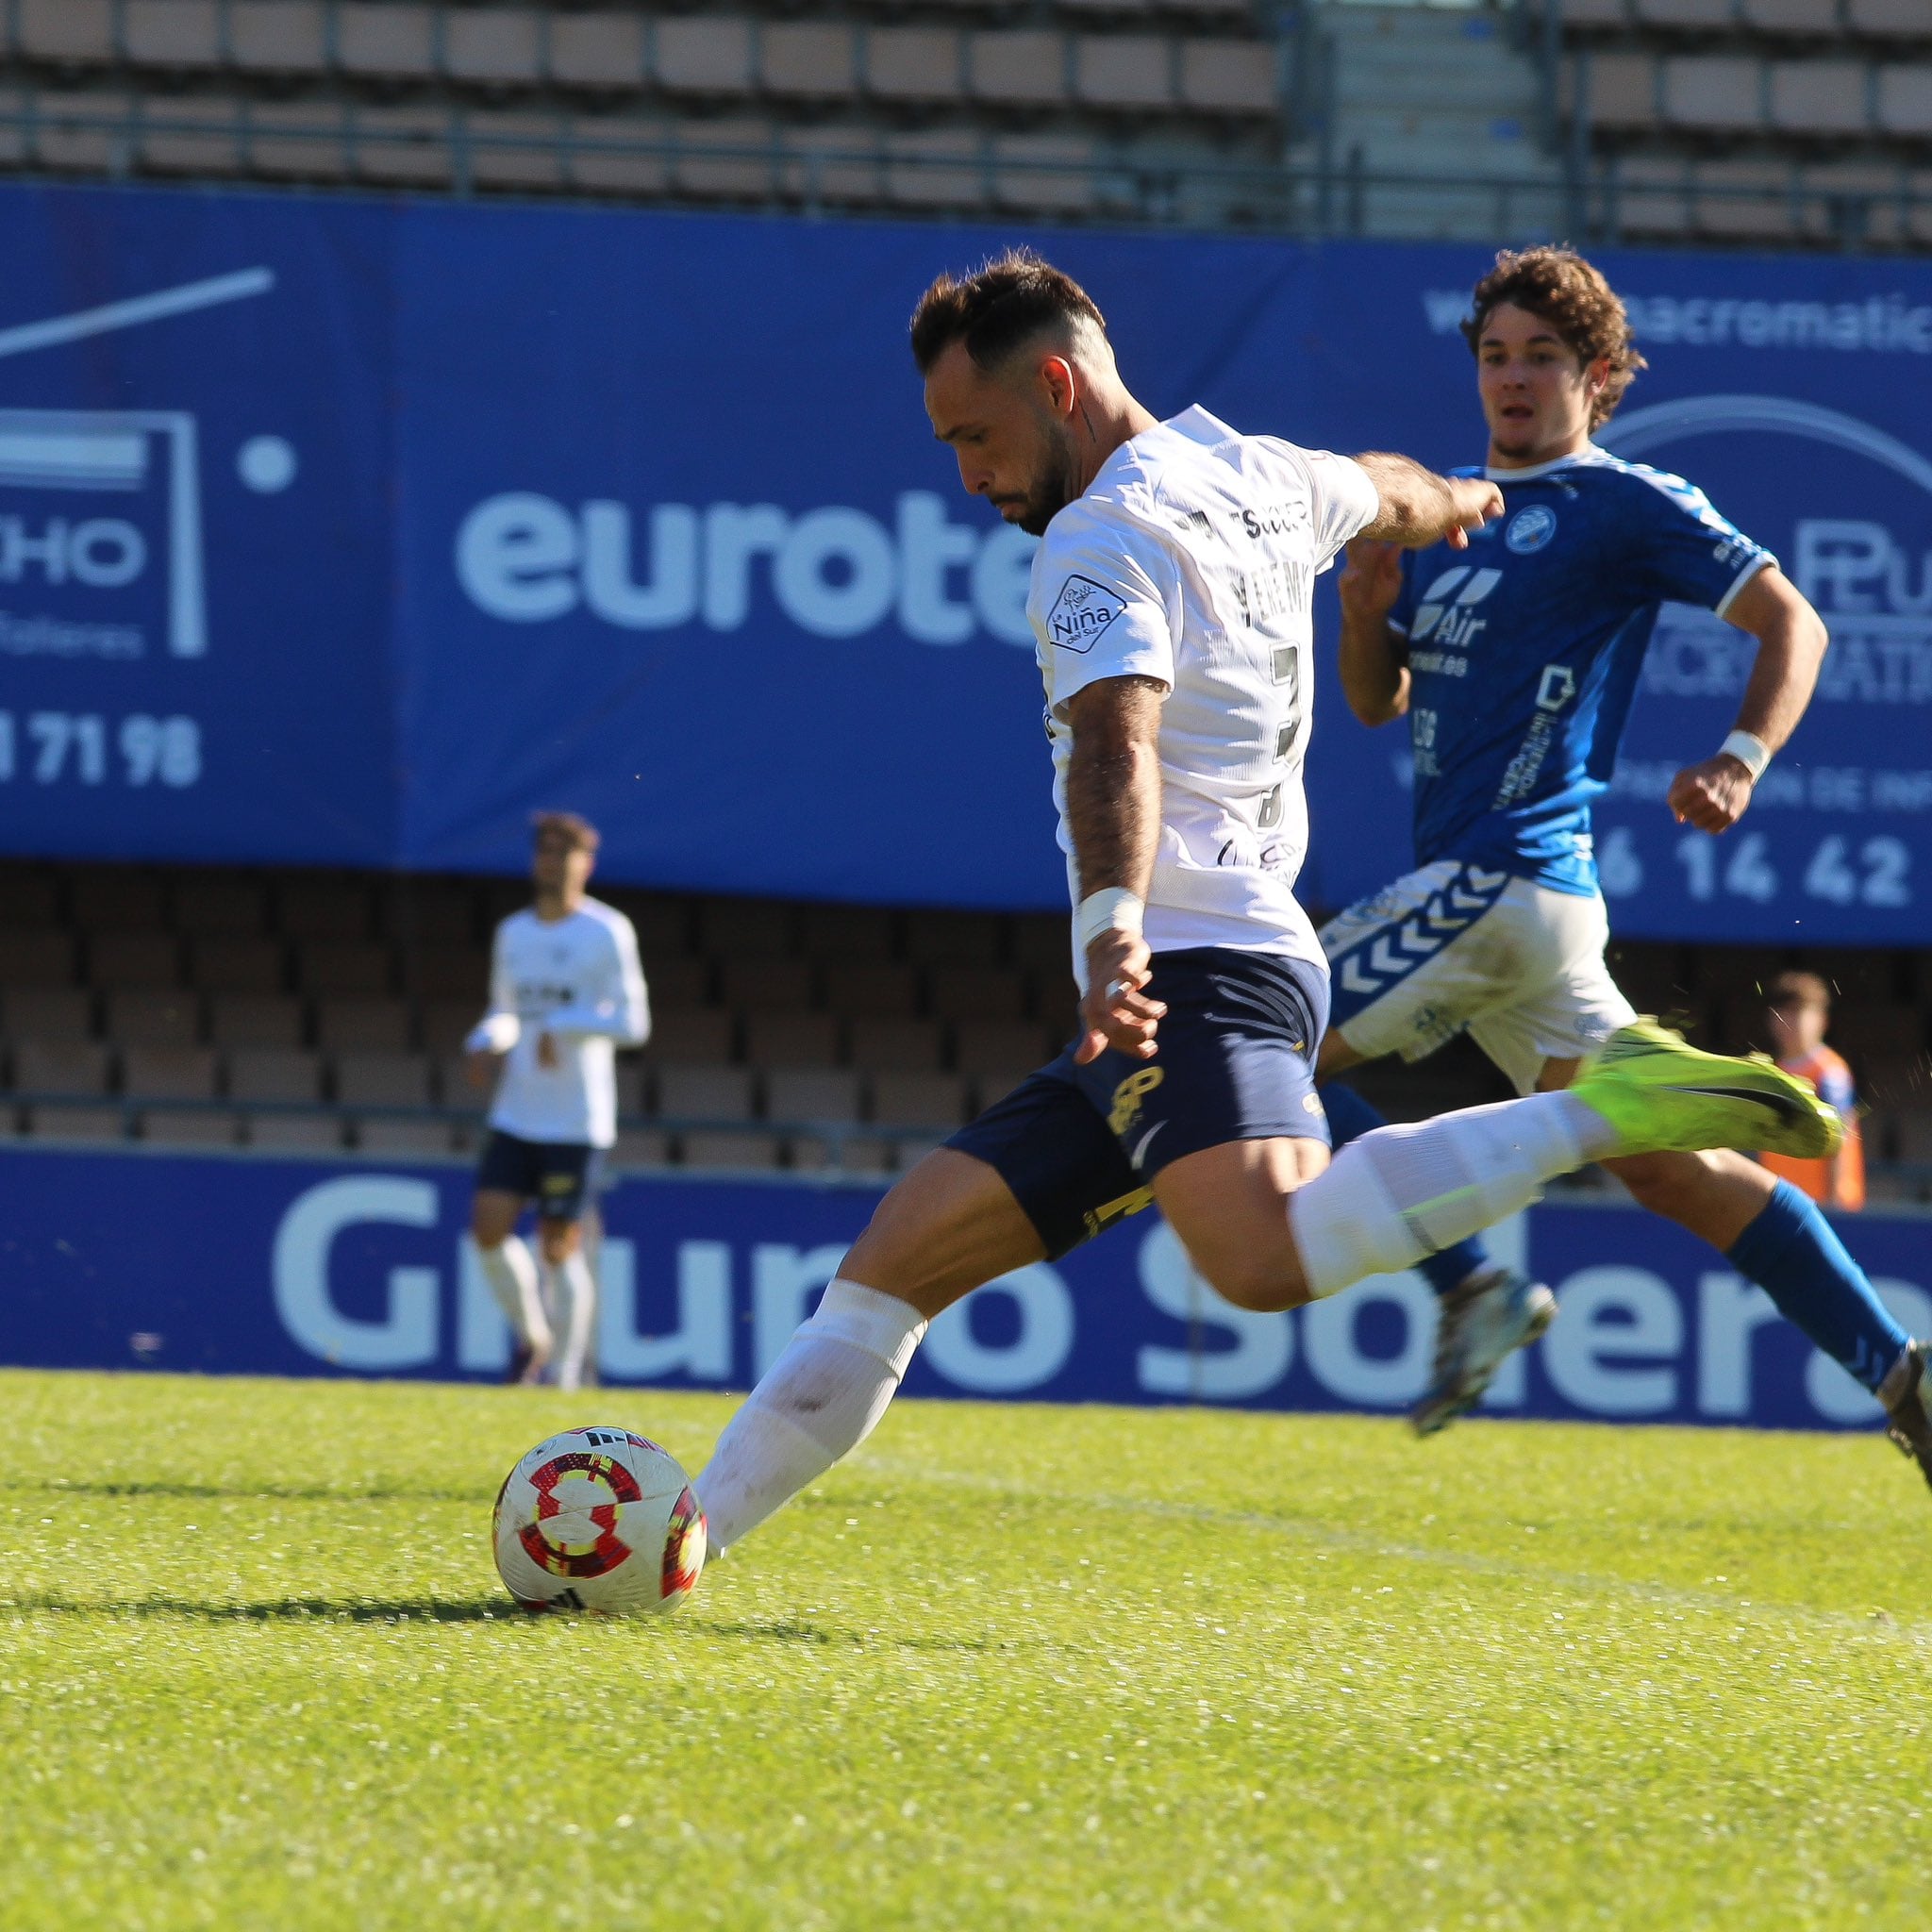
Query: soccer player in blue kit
point(1515, 661)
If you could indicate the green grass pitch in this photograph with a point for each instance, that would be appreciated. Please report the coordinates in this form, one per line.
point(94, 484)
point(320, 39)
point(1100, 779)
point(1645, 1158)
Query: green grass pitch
point(1056, 1668)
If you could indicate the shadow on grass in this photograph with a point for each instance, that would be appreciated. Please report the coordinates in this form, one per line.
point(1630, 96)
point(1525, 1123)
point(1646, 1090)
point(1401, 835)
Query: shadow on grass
point(291, 1610)
point(257, 1493)
point(791, 1630)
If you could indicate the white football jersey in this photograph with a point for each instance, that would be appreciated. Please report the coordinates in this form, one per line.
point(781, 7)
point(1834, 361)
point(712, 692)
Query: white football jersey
point(577, 979)
point(1192, 559)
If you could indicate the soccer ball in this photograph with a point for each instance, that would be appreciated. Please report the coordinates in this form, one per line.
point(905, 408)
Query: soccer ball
point(599, 1519)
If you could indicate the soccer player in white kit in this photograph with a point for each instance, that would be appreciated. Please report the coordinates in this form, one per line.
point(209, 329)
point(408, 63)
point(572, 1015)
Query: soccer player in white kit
point(566, 991)
point(1171, 604)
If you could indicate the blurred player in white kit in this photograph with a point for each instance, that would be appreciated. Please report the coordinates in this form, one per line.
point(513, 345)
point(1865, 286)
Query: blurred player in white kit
point(566, 991)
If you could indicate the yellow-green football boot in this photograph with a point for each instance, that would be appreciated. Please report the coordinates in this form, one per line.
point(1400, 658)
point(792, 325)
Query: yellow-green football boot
point(1661, 1093)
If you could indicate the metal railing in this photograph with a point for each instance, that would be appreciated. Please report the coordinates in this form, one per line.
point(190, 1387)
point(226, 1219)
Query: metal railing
point(1323, 197)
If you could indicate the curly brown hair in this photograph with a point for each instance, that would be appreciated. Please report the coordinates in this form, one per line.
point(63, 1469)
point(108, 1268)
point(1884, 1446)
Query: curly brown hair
point(1572, 295)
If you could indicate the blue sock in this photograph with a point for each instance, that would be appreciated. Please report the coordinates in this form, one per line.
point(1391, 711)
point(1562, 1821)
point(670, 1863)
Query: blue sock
point(1349, 1118)
point(1791, 1253)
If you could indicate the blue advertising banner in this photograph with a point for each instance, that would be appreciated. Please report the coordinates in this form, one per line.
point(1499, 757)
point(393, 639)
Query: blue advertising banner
point(352, 531)
point(339, 1268)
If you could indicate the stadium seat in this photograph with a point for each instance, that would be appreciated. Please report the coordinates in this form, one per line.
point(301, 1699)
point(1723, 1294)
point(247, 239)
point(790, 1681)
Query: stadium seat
point(677, 981)
point(492, 46)
point(702, 55)
point(255, 1020)
point(190, 1127)
point(1620, 90)
point(807, 60)
point(1912, 1136)
point(987, 1047)
point(209, 903)
point(448, 973)
point(1650, 197)
point(172, 34)
point(952, 938)
point(705, 1093)
point(875, 988)
point(1592, 13)
point(351, 1025)
point(30, 897)
point(105, 897)
point(323, 909)
point(41, 1012)
point(233, 963)
point(168, 1073)
point(382, 1079)
point(842, 935)
point(405, 1138)
point(502, 150)
point(862, 1154)
point(1809, 17)
point(386, 41)
point(1017, 68)
point(36, 955)
point(1873, 1031)
point(85, 1123)
point(83, 133)
point(183, 135)
point(798, 1097)
point(730, 927)
point(1745, 200)
point(688, 1035)
point(1043, 943)
point(445, 1024)
point(1719, 93)
point(299, 140)
point(977, 993)
point(633, 1085)
point(355, 969)
point(663, 927)
point(597, 51)
point(907, 1046)
point(1821, 97)
point(77, 1067)
point(944, 169)
point(282, 37)
point(404, 147)
point(294, 1133)
point(791, 1040)
point(65, 32)
point(640, 1147)
point(146, 1016)
point(918, 1100)
point(710, 1148)
point(996, 1085)
point(285, 1075)
point(1230, 76)
point(1124, 72)
point(1699, 16)
point(133, 957)
point(771, 985)
point(426, 913)
point(915, 63)
point(1902, 100)
point(1889, 19)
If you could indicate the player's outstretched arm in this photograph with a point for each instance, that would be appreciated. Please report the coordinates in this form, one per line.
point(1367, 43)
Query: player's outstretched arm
point(1374, 677)
point(1420, 508)
point(1113, 809)
point(1715, 793)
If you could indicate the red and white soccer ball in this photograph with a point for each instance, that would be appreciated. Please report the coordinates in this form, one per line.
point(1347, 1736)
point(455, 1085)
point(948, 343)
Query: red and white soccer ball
point(599, 1520)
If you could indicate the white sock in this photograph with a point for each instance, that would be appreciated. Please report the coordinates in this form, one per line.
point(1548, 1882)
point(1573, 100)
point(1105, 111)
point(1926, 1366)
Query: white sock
point(574, 1290)
point(512, 1277)
point(819, 1400)
point(1399, 1194)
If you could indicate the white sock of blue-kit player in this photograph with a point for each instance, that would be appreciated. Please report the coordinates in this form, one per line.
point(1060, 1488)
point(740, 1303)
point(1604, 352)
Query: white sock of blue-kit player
point(574, 1295)
point(819, 1400)
point(512, 1277)
point(1403, 1193)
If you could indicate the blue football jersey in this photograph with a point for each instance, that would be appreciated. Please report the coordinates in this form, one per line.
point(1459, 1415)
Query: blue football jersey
point(1523, 652)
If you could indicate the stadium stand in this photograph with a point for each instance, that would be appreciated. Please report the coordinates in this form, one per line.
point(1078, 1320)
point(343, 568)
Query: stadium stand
point(785, 1036)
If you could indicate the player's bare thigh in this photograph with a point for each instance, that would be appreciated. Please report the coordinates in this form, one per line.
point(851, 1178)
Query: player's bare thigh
point(1336, 1056)
point(493, 1216)
point(949, 1227)
point(1715, 1195)
point(1230, 1206)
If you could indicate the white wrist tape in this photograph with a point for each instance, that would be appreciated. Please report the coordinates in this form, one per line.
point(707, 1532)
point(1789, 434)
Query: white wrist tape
point(497, 1034)
point(1751, 752)
point(1114, 909)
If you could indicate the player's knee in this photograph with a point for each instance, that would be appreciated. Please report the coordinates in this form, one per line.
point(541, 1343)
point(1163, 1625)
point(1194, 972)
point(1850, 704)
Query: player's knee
point(1263, 1283)
point(559, 1239)
point(1667, 1184)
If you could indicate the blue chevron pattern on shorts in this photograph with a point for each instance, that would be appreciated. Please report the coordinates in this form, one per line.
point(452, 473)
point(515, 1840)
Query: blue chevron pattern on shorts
point(1386, 953)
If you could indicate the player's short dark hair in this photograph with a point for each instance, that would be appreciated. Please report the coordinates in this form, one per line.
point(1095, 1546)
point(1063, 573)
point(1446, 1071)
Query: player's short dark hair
point(580, 834)
point(1798, 992)
point(1571, 294)
point(996, 309)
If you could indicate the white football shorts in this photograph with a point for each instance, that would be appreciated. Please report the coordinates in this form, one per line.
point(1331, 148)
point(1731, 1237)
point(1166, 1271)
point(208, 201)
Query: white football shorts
point(1452, 948)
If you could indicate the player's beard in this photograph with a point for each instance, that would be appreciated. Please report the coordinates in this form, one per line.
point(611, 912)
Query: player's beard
point(1052, 490)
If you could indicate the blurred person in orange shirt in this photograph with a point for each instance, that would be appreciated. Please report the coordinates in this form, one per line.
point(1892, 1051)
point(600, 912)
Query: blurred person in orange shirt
point(1799, 1009)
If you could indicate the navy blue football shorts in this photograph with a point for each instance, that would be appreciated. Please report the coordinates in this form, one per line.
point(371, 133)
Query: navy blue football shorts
point(1079, 1145)
point(563, 1177)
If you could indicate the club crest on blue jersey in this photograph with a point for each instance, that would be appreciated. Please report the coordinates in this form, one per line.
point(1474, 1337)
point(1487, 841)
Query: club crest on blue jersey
point(1531, 528)
point(1080, 613)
